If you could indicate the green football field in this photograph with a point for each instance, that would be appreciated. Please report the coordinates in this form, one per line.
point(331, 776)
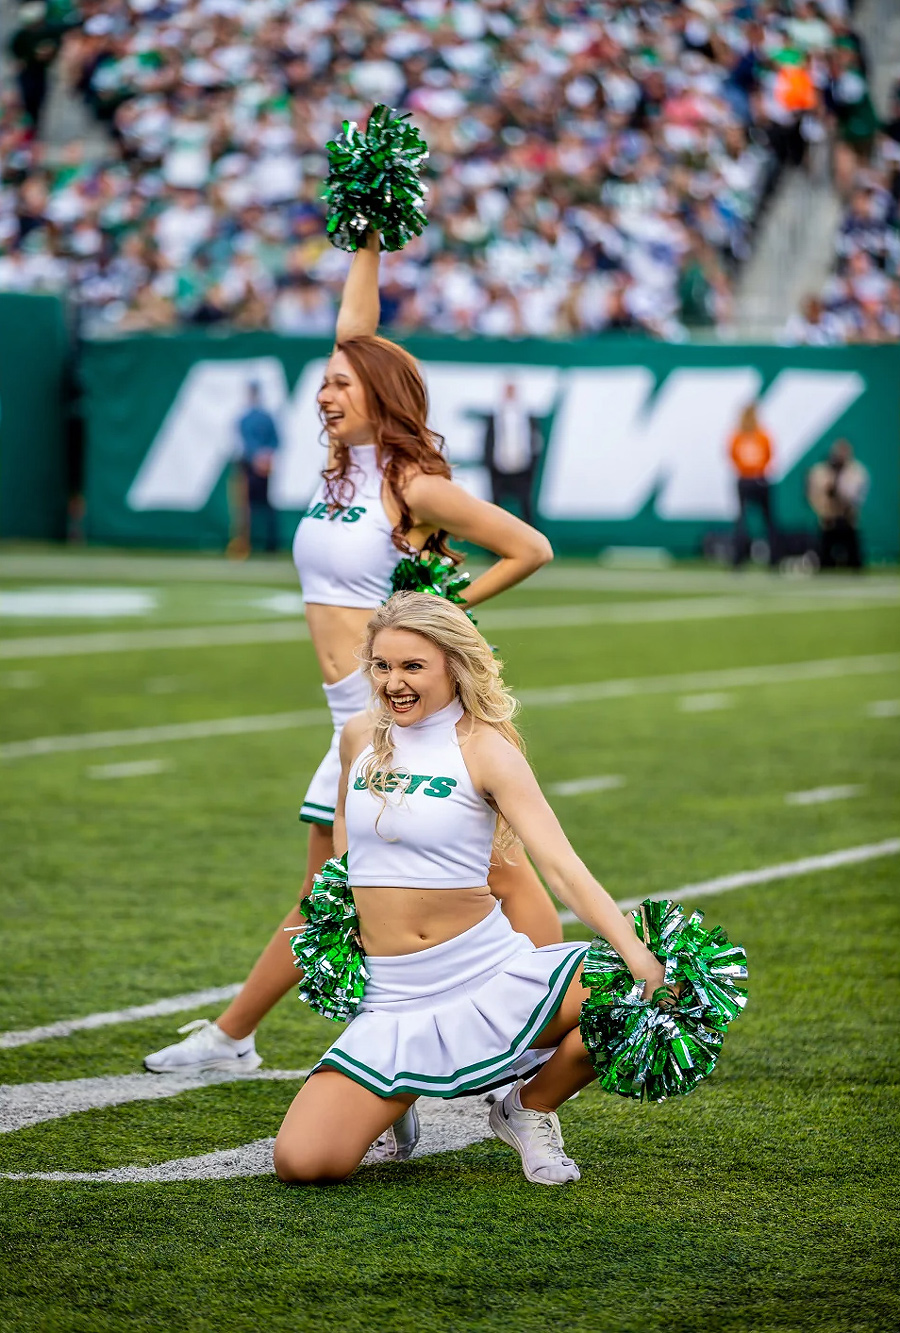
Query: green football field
point(731, 741)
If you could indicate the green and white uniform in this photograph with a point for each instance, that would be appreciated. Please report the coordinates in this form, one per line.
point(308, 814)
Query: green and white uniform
point(461, 1016)
point(344, 556)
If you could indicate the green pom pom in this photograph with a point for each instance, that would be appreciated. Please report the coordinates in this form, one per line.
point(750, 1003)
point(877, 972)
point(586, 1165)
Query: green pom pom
point(373, 182)
point(645, 1051)
point(329, 949)
point(434, 574)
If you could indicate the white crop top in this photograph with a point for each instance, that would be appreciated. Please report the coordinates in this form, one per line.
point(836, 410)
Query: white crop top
point(346, 558)
point(435, 832)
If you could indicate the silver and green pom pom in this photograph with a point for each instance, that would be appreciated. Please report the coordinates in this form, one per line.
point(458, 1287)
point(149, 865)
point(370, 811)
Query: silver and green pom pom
point(374, 182)
point(329, 949)
point(434, 574)
point(647, 1050)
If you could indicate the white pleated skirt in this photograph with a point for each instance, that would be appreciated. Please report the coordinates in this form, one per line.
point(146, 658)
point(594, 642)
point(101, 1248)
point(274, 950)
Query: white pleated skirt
point(457, 1018)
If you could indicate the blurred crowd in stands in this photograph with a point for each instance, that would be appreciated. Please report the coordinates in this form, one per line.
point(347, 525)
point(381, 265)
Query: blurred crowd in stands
point(596, 165)
point(861, 300)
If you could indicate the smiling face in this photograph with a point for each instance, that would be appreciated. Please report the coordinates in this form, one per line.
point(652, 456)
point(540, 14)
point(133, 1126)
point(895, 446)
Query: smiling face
point(410, 674)
point(342, 403)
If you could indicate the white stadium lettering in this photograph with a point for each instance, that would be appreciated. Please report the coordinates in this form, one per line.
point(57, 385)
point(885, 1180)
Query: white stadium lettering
point(613, 446)
point(197, 438)
point(615, 443)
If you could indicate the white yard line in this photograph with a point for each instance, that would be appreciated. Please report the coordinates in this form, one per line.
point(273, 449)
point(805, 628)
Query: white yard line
point(175, 731)
point(671, 610)
point(138, 768)
point(447, 1126)
point(19, 680)
point(821, 795)
point(491, 620)
point(807, 865)
point(175, 1004)
point(883, 708)
point(116, 565)
point(23, 1104)
point(554, 697)
point(578, 786)
point(704, 703)
point(786, 673)
point(151, 640)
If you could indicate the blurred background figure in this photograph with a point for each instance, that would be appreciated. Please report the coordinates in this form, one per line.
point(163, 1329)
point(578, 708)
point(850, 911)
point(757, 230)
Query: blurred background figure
point(751, 454)
point(259, 443)
point(34, 46)
point(512, 447)
point(836, 490)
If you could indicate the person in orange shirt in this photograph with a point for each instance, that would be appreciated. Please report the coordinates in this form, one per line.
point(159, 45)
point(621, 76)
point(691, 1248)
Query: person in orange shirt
point(751, 455)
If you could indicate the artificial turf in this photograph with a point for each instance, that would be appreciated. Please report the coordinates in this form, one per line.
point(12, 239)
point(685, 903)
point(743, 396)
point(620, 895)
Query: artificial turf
point(764, 1201)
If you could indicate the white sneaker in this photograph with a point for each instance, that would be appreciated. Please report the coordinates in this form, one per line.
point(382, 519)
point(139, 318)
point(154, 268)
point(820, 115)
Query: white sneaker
point(207, 1047)
point(536, 1137)
point(397, 1142)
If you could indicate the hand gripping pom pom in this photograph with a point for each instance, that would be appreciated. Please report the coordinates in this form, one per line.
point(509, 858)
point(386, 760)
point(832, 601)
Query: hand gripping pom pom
point(431, 573)
point(329, 949)
point(373, 182)
point(641, 1049)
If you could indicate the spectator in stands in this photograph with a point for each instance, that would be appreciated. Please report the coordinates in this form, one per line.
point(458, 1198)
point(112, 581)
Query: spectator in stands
point(34, 46)
point(813, 327)
point(836, 490)
point(750, 450)
point(259, 443)
point(512, 448)
point(849, 102)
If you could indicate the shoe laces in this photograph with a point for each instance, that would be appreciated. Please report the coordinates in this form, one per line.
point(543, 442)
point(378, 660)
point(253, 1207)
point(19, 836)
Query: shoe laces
point(546, 1137)
point(384, 1149)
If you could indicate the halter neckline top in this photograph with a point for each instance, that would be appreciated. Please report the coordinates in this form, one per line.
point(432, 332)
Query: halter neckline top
point(429, 828)
point(344, 554)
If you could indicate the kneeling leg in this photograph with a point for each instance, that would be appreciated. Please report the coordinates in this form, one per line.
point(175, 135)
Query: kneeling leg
point(329, 1128)
point(569, 1068)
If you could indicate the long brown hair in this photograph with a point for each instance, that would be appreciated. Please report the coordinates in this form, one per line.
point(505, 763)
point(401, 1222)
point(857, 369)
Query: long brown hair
point(397, 404)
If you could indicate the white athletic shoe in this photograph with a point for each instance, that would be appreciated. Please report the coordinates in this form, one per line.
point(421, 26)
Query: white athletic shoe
point(397, 1142)
point(536, 1137)
point(207, 1047)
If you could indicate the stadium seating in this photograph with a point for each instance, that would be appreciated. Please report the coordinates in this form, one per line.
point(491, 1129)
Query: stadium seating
point(597, 165)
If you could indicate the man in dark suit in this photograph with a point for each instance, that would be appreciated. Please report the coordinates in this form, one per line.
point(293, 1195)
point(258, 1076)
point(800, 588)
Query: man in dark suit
point(512, 447)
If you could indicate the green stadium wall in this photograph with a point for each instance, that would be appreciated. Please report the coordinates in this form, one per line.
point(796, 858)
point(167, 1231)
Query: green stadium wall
point(34, 356)
point(636, 433)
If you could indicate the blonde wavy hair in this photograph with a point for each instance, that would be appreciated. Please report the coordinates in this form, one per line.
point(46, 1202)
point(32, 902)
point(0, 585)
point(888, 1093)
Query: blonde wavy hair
point(472, 667)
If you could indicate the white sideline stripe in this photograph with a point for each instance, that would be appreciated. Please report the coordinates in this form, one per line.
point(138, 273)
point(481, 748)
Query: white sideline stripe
point(704, 703)
point(807, 865)
point(558, 696)
point(672, 609)
point(24, 1104)
point(577, 786)
point(175, 1004)
point(825, 668)
point(820, 795)
point(175, 731)
point(884, 708)
point(138, 768)
point(561, 575)
point(143, 640)
point(491, 619)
